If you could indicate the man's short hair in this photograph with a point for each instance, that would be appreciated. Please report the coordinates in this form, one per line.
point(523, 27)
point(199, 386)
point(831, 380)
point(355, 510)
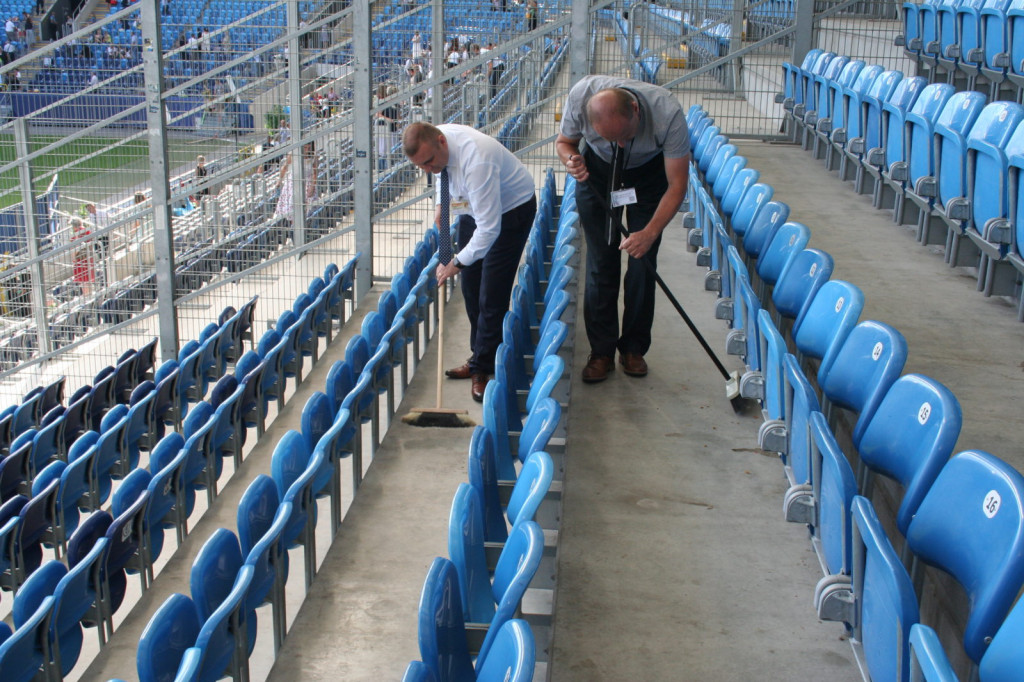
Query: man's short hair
point(417, 134)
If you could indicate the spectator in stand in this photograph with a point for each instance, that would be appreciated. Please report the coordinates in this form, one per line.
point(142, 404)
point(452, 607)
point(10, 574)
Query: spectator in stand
point(9, 51)
point(83, 268)
point(417, 46)
point(54, 26)
point(495, 67)
point(11, 29)
point(531, 15)
point(201, 173)
point(16, 80)
point(93, 79)
point(100, 219)
point(40, 6)
point(30, 29)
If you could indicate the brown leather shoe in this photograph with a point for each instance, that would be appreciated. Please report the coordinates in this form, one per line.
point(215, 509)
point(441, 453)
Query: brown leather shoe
point(597, 368)
point(460, 372)
point(478, 386)
point(633, 364)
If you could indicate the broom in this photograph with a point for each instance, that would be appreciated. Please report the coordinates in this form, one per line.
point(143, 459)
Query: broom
point(440, 416)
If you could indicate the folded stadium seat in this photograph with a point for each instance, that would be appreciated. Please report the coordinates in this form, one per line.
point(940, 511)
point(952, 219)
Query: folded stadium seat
point(803, 90)
point(789, 240)
point(1015, 44)
point(832, 115)
point(798, 283)
point(13, 480)
point(25, 415)
point(261, 522)
point(705, 153)
point(909, 439)
point(168, 641)
point(943, 53)
point(1002, 259)
point(949, 208)
point(22, 651)
point(762, 230)
point(722, 155)
point(219, 579)
point(970, 525)
point(870, 133)
point(889, 148)
point(790, 436)
point(124, 376)
point(904, 129)
point(971, 52)
point(525, 497)
point(111, 455)
point(881, 607)
point(38, 519)
point(848, 106)
point(971, 173)
point(711, 137)
point(168, 463)
point(791, 77)
point(818, 100)
point(823, 329)
point(169, 404)
point(204, 465)
point(918, 191)
point(994, 38)
point(191, 385)
point(487, 603)
point(10, 521)
point(1002, 661)
point(993, 206)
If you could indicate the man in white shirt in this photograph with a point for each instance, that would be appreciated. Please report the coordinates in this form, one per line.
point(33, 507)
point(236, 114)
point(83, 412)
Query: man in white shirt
point(493, 201)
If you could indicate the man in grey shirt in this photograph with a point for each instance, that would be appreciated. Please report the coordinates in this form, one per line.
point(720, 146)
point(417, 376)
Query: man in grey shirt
point(642, 127)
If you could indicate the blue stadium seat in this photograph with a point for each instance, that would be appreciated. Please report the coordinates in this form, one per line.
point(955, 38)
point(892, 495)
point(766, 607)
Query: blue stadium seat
point(442, 626)
point(865, 366)
point(870, 126)
point(169, 634)
point(971, 525)
point(835, 117)
point(889, 149)
point(512, 655)
point(789, 240)
point(983, 188)
point(909, 438)
point(797, 285)
point(850, 105)
point(821, 330)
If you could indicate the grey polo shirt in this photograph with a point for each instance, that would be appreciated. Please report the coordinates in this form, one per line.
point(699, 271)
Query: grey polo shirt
point(662, 120)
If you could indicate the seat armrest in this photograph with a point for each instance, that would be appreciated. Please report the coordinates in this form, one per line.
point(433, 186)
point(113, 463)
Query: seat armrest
point(876, 157)
point(926, 186)
point(899, 171)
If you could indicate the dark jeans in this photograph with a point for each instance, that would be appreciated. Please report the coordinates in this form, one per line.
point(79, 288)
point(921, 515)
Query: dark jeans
point(487, 283)
point(604, 260)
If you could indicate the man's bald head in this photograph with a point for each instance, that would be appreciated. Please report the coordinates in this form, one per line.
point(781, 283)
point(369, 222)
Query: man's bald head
point(611, 103)
point(614, 114)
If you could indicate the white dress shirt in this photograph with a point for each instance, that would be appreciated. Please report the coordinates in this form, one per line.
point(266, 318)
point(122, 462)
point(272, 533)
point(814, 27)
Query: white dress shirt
point(489, 177)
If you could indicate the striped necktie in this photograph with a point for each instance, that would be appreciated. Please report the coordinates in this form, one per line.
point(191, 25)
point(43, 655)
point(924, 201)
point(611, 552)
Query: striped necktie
point(444, 230)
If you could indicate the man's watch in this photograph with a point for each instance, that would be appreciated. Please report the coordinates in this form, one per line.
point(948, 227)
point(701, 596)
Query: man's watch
point(458, 265)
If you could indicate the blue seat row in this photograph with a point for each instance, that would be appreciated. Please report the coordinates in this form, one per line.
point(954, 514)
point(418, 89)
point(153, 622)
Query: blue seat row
point(129, 538)
point(279, 513)
point(511, 451)
point(945, 160)
point(816, 369)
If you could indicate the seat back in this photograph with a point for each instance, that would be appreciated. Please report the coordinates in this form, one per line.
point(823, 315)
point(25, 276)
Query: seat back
point(753, 201)
point(834, 488)
point(971, 525)
point(824, 325)
point(483, 477)
point(801, 403)
point(728, 173)
point(466, 550)
point(789, 240)
point(317, 417)
point(516, 567)
point(886, 605)
point(894, 114)
point(512, 655)
point(853, 99)
point(442, 627)
point(22, 653)
point(724, 153)
point(797, 285)
point(916, 130)
point(990, 141)
point(256, 511)
point(496, 422)
point(819, 100)
point(950, 140)
point(866, 365)
point(742, 181)
point(845, 80)
point(910, 436)
point(533, 484)
point(214, 570)
point(1004, 658)
point(539, 426)
point(881, 91)
point(763, 227)
point(772, 350)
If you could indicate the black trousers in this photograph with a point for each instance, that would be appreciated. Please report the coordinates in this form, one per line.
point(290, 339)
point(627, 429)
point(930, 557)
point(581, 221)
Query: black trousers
point(487, 283)
point(604, 260)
